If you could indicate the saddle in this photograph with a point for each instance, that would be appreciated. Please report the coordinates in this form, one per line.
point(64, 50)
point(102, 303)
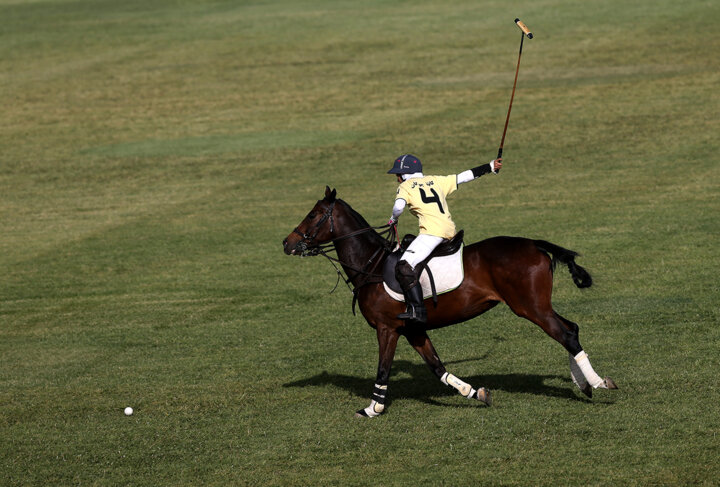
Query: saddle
point(447, 255)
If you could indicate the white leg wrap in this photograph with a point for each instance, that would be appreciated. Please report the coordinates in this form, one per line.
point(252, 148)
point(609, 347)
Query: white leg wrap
point(377, 405)
point(583, 362)
point(374, 409)
point(462, 387)
point(576, 374)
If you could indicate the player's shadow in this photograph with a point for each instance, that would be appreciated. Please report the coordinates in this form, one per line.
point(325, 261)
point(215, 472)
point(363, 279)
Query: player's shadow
point(415, 381)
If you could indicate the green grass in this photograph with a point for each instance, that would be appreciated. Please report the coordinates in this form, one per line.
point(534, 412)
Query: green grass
point(153, 155)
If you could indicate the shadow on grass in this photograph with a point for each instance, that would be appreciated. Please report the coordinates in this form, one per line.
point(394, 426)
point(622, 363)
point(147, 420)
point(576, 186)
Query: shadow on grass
point(424, 387)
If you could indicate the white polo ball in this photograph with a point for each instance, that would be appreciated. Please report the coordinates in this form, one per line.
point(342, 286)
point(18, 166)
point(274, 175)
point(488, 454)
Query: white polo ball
point(128, 411)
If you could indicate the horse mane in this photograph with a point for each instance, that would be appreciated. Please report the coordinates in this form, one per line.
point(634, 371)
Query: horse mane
point(360, 219)
point(357, 216)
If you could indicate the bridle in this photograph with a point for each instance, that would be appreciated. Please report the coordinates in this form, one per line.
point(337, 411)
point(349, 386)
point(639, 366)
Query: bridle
point(309, 248)
point(307, 241)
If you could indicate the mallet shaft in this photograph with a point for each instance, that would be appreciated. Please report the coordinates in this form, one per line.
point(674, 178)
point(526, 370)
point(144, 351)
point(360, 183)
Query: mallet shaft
point(529, 35)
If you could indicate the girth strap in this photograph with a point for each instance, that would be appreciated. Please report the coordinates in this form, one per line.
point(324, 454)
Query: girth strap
point(423, 266)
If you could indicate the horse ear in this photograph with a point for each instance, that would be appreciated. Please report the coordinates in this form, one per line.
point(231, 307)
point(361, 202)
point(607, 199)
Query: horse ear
point(330, 195)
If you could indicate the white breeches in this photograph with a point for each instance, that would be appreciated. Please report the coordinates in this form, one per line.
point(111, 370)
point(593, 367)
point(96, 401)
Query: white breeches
point(420, 248)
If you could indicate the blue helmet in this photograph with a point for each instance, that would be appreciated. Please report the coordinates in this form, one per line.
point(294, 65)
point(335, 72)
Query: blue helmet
point(406, 164)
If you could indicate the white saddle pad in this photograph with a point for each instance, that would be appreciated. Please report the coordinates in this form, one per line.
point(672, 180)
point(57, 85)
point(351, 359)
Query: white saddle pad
point(448, 274)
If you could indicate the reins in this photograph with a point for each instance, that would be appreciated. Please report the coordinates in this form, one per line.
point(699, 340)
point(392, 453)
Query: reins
point(324, 250)
point(368, 271)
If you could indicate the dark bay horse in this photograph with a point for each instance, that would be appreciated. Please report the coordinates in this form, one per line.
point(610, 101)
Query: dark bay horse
point(511, 270)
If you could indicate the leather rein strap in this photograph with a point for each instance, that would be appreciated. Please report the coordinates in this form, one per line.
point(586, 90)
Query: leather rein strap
point(369, 270)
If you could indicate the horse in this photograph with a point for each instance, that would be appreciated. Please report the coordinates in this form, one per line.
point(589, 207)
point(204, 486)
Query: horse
point(512, 270)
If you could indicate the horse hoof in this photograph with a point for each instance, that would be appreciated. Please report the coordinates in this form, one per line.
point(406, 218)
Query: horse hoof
point(610, 384)
point(484, 396)
point(361, 414)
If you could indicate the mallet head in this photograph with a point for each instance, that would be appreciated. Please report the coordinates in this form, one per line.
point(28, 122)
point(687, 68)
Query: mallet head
point(524, 28)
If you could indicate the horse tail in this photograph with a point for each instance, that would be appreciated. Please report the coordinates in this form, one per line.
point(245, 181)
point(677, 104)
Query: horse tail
point(580, 276)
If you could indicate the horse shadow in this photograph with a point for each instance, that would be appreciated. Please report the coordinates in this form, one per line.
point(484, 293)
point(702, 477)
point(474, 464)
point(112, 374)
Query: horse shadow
point(415, 381)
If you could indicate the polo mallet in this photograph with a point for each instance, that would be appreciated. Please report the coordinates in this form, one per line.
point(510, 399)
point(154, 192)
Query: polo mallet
point(525, 32)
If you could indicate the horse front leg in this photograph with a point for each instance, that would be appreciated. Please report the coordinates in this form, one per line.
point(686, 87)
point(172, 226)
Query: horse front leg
point(387, 343)
point(422, 344)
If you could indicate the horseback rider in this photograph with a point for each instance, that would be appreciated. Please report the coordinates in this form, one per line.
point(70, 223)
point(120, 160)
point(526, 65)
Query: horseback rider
point(425, 196)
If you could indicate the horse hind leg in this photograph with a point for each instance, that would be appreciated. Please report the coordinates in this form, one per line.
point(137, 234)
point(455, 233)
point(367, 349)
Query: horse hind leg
point(581, 371)
point(534, 303)
point(574, 348)
point(566, 333)
point(422, 344)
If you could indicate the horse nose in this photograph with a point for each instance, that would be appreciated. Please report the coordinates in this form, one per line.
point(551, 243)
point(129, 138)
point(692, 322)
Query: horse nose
point(285, 242)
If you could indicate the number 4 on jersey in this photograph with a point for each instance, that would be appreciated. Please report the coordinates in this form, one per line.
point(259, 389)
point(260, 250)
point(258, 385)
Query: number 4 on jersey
point(434, 199)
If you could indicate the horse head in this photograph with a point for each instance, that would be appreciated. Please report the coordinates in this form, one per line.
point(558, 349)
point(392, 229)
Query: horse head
point(317, 228)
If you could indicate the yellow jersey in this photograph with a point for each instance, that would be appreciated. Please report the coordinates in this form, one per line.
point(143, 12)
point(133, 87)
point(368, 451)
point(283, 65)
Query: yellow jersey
point(426, 199)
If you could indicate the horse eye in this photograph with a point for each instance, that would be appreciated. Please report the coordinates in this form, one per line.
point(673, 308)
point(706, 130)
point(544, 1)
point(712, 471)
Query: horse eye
point(312, 215)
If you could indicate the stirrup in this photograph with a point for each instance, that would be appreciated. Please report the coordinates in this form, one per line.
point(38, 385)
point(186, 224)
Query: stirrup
point(416, 313)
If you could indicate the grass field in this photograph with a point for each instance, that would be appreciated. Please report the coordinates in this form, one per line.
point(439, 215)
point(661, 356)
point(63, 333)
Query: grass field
point(153, 155)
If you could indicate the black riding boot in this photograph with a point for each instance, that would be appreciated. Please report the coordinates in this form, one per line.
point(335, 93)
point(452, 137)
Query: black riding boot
point(415, 307)
point(412, 290)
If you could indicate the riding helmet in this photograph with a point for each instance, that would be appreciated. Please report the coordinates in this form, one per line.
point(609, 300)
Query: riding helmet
point(406, 164)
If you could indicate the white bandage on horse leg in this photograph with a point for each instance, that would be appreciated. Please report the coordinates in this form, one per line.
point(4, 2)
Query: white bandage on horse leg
point(576, 374)
point(377, 405)
point(584, 363)
point(462, 387)
point(374, 409)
